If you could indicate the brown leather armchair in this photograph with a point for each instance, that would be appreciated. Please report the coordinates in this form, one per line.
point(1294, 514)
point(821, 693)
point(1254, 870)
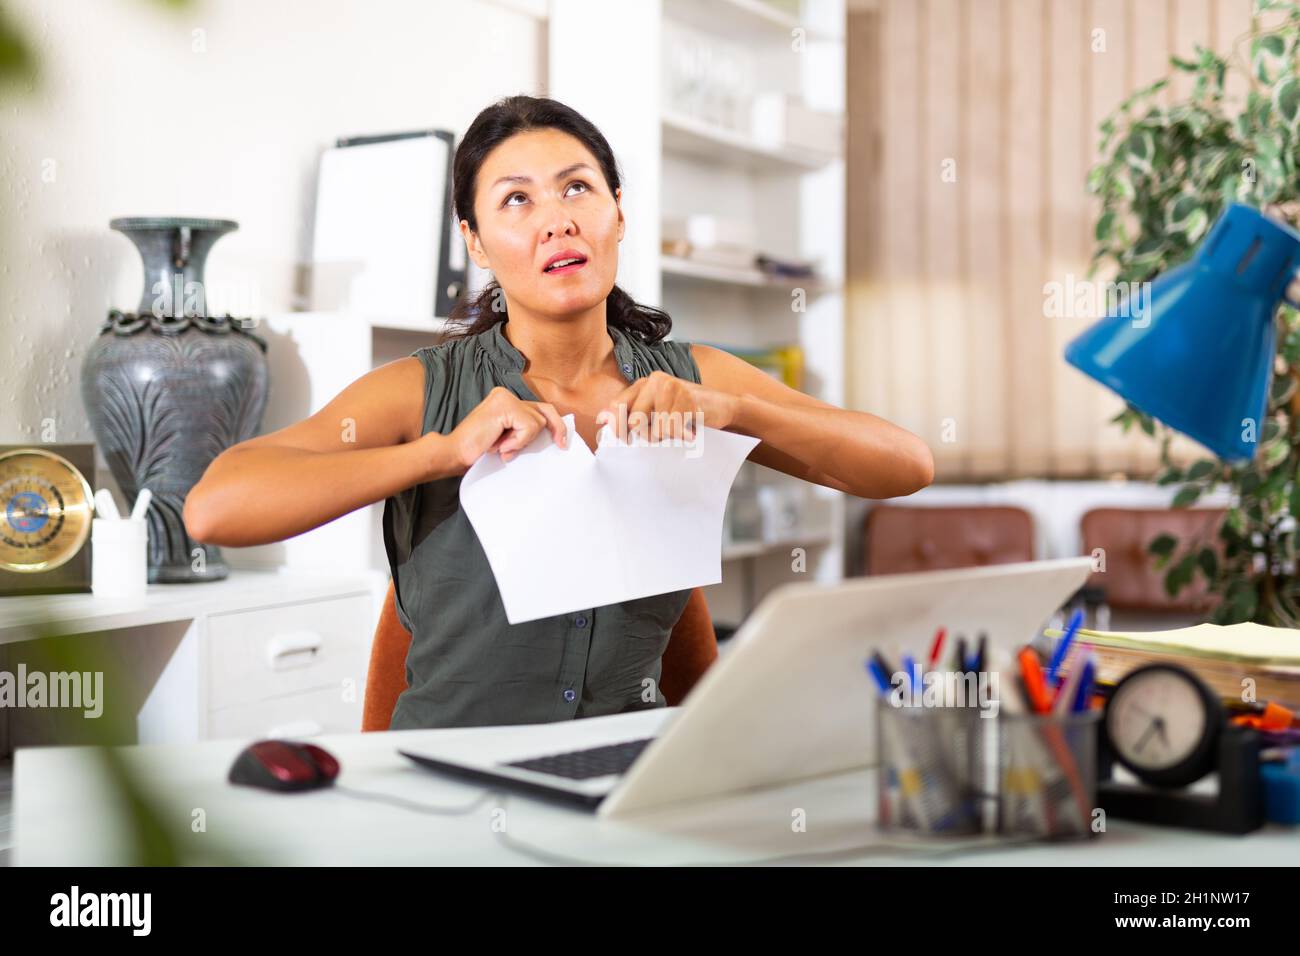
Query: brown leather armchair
point(902, 538)
point(692, 648)
point(1131, 581)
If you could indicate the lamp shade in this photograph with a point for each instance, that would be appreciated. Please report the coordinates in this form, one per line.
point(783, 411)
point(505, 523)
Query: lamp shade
point(1195, 349)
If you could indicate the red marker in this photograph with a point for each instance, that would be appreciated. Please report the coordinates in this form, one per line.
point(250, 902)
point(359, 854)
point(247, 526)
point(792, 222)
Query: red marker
point(937, 647)
point(1035, 682)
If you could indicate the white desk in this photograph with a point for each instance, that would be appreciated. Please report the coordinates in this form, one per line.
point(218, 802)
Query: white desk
point(63, 816)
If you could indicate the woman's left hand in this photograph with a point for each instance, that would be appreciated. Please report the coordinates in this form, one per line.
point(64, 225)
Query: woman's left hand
point(660, 406)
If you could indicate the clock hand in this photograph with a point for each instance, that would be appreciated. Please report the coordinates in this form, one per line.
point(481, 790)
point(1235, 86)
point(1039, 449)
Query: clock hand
point(1137, 747)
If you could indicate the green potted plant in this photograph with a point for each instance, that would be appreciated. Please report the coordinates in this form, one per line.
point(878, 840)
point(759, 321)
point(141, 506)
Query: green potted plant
point(1165, 174)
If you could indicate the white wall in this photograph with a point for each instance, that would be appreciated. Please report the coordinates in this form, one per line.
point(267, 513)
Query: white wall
point(217, 111)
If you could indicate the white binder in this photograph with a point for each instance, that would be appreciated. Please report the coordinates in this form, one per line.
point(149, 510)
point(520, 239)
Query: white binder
point(384, 244)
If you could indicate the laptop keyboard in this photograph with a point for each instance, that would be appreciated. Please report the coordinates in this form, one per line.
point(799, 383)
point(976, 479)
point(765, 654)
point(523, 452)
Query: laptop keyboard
point(585, 764)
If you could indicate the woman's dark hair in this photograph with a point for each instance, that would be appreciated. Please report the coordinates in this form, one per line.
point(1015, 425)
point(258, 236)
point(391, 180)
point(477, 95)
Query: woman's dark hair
point(494, 125)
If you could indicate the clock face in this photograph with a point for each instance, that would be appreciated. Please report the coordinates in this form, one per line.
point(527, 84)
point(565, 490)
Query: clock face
point(45, 511)
point(1161, 723)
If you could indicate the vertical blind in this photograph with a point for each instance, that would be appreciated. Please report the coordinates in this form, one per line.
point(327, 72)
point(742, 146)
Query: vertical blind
point(972, 126)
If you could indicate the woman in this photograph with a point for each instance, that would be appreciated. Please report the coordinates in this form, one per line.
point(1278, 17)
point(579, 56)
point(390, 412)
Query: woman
point(537, 193)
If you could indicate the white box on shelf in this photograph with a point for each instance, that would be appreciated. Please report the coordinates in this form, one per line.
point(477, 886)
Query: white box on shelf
point(704, 230)
point(779, 119)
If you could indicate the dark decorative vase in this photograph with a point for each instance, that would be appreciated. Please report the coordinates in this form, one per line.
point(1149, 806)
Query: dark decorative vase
point(169, 388)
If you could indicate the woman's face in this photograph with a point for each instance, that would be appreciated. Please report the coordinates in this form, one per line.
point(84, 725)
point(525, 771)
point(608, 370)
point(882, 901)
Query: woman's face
point(541, 193)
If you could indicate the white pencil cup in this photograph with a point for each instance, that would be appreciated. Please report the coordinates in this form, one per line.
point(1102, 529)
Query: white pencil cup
point(120, 557)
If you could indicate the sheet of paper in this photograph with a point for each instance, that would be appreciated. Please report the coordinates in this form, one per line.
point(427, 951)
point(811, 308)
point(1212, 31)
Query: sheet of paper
point(565, 529)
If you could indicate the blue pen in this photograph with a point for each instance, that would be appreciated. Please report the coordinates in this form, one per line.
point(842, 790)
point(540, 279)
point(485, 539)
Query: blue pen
point(878, 674)
point(913, 672)
point(1063, 646)
point(1083, 696)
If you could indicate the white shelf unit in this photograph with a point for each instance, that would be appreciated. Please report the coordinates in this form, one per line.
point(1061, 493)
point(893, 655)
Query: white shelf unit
point(679, 159)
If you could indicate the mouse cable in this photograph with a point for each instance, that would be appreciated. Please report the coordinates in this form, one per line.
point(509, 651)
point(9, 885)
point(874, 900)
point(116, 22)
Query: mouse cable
point(412, 805)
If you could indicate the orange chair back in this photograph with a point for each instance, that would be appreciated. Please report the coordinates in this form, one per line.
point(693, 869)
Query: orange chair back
point(692, 648)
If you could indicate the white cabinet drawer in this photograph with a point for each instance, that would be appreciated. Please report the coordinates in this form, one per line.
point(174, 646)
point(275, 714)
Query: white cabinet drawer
point(324, 711)
point(276, 651)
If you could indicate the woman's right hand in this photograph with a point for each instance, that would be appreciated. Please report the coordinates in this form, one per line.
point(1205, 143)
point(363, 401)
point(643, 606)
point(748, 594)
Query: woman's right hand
point(505, 423)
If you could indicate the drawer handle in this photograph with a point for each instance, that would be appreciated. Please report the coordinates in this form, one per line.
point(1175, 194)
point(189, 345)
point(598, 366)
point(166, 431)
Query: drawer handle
point(292, 649)
point(295, 728)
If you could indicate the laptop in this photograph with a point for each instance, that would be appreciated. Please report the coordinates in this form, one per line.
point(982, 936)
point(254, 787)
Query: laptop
point(788, 700)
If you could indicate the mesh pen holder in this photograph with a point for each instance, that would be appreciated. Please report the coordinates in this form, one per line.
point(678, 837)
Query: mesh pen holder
point(931, 769)
point(1047, 774)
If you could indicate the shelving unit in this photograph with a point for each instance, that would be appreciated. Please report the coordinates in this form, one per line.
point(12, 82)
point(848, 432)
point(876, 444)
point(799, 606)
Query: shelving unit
point(792, 197)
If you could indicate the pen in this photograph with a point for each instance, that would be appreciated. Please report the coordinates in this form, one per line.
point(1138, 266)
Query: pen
point(1063, 647)
point(1035, 684)
point(1083, 698)
point(981, 655)
point(913, 672)
point(961, 655)
point(142, 501)
point(1067, 690)
point(884, 667)
point(878, 673)
point(105, 506)
point(936, 648)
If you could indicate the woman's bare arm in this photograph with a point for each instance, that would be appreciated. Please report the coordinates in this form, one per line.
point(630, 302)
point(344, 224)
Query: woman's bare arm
point(854, 452)
point(362, 447)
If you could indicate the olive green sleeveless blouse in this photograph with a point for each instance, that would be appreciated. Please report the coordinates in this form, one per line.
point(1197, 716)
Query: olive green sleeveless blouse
point(467, 665)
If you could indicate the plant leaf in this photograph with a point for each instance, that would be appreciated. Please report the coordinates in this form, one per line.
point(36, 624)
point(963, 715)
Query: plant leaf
point(1286, 101)
point(1208, 562)
point(1163, 545)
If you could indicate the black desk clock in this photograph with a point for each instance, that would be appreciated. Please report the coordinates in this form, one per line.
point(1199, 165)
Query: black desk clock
point(1168, 728)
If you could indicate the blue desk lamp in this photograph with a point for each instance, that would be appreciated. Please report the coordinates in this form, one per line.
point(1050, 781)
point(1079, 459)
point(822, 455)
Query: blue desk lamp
point(1200, 356)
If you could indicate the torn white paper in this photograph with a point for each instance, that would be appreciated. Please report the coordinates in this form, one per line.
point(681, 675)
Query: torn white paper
point(566, 530)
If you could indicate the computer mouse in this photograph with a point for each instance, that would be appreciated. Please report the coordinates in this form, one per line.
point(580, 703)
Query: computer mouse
point(284, 765)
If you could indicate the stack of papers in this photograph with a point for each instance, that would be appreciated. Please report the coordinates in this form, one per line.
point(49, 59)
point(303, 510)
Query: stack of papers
point(565, 529)
point(1220, 655)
